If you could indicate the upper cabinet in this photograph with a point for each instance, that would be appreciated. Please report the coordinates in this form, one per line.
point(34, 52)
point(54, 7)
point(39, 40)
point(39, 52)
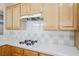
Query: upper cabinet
point(68, 16)
point(60, 16)
point(51, 16)
point(31, 8)
point(25, 9)
point(56, 16)
point(36, 7)
point(9, 19)
point(16, 16)
point(13, 17)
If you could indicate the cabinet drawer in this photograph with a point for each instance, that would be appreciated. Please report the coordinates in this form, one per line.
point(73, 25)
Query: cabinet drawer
point(30, 53)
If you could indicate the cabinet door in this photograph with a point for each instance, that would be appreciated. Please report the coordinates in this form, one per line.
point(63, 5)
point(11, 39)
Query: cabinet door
point(36, 7)
point(51, 12)
point(6, 50)
point(8, 20)
point(16, 17)
point(67, 14)
point(16, 50)
point(30, 53)
point(25, 8)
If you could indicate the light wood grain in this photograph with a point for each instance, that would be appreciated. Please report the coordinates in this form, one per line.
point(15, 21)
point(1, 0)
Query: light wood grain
point(16, 17)
point(36, 7)
point(25, 9)
point(67, 14)
point(9, 18)
point(50, 15)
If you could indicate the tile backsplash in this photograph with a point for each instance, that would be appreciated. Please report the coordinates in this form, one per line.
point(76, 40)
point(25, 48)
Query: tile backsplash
point(36, 32)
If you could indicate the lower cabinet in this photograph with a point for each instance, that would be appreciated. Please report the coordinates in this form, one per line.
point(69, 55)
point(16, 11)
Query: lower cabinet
point(7, 50)
point(0, 51)
point(17, 51)
point(30, 53)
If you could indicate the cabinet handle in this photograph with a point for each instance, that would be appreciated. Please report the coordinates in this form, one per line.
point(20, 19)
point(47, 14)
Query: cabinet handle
point(68, 26)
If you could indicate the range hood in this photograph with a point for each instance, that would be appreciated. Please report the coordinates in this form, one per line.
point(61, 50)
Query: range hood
point(31, 16)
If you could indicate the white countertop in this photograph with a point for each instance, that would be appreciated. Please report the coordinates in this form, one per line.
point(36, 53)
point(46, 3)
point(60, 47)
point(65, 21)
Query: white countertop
point(56, 50)
point(50, 49)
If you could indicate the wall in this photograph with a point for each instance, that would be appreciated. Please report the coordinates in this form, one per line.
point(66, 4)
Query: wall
point(36, 32)
point(2, 41)
point(1, 24)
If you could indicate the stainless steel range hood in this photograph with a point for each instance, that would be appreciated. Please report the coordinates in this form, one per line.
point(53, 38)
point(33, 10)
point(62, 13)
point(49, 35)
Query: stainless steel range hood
point(31, 16)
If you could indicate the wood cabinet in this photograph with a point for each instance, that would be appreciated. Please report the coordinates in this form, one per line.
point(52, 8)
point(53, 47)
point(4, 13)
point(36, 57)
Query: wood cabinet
point(31, 8)
point(51, 16)
point(76, 33)
point(6, 50)
point(57, 16)
point(0, 51)
point(16, 16)
point(61, 16)
point(17, 51)
point(36, 7)
point(30, 53)
point(78, 16)
point(9, 18)
point(67, 14)
point(25, 9)
point(13, 17)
